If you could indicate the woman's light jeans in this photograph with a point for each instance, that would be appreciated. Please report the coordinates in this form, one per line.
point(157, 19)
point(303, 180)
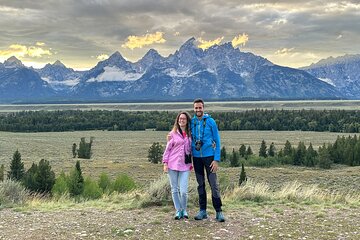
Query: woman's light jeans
point(179, 181)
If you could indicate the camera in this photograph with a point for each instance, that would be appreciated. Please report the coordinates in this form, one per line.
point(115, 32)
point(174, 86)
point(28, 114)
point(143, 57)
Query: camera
point(198, 145)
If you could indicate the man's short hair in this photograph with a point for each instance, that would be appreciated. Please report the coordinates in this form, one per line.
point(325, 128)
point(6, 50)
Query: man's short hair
point(199, 100)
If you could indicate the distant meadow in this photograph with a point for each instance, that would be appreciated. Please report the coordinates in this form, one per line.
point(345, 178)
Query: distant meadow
point(187, 106)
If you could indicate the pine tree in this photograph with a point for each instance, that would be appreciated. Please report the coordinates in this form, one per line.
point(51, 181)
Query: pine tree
point(17, 170)
point(29, 179)
point(223, 154)
point(234, 161)
point(76, 181)
point(324, 158)
point(262, 151)
point(249, 151)
point(45, 177)
point(356, 154)
point(85, 148)
point(155, 153)
point(271, 151)
point(300, 153)
point(242, 150)
point(74, 150)
point(2, 172)
point(243, 177)
point(310, 157)
point(287, 149)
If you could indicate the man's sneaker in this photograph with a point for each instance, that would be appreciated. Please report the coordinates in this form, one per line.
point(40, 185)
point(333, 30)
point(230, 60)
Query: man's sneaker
point(185, 214)
point(220, 217)
point(201, 215)
point(178, 215)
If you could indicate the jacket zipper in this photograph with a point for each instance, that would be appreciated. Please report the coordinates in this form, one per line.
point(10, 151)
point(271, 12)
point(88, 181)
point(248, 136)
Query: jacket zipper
point(200, 138)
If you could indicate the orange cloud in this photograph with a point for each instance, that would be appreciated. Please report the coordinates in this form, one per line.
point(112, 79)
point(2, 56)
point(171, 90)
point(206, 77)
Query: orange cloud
point(140, 41)
point(206, 44)
point(22, 51)
point(240, 40)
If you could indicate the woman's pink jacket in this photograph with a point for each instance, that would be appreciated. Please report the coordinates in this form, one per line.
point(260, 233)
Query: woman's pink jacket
point(174, 154)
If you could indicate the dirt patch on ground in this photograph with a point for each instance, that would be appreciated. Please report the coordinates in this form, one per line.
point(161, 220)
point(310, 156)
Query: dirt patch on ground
point(260, 222)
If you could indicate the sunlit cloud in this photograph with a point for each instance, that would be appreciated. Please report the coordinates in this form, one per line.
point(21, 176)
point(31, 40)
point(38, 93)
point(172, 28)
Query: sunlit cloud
point(102, 57)
point(24, 51)
point(292, 58)
point(342, 6)
point(281, 21)
point(37, 52)
point(141, 41)
point(284, 51)
point(240, 40)
point(206, 44)
point(40, 44)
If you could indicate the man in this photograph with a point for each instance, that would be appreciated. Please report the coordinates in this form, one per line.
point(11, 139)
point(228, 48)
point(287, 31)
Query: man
point(206, 156)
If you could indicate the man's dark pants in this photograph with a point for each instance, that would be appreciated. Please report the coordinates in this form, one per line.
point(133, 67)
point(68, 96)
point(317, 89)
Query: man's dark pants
point(200, 166)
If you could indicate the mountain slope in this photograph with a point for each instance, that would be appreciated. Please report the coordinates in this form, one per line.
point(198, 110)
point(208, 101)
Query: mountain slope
point(341, 72)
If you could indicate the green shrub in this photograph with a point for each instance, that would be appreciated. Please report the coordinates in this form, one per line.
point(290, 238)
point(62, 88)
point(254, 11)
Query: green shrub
point(261, 161)
point(40, 178)
point(159, 191)
point(155, 153)
point(104, 183)
point(84, 150)
point(12, 192)
point(123, 183)
point(60, 187)
point(2, 172)
point(91, 189)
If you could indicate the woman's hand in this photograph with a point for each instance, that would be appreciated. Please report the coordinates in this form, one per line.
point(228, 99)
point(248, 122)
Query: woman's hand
point(165, 168)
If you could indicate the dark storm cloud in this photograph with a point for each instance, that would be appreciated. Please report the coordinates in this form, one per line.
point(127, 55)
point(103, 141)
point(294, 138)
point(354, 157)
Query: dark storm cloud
point(91, 27)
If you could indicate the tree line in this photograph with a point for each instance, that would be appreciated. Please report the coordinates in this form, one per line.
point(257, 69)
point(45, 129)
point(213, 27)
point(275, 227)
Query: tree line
point(258, 119)
point(345, 150)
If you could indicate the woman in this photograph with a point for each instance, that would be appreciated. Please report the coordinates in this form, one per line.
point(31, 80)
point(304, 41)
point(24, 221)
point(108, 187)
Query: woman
point(178, 145)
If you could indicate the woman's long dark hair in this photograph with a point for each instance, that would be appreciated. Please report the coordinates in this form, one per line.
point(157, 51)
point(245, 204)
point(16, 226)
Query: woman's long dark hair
point(177, 126)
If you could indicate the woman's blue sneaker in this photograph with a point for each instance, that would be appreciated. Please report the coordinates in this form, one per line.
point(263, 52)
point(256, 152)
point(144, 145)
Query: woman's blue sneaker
point(201, 215)
point(220, 217)
point(178, 215)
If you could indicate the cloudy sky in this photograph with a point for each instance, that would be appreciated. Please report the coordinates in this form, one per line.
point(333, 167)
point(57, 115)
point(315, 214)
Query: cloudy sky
point(82, 32)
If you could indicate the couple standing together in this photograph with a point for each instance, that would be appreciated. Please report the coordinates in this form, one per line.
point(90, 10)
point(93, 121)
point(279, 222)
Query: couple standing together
point(200, 137)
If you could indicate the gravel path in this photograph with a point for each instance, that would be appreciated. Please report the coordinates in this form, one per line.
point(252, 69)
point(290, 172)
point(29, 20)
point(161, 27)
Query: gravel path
point(259, 222)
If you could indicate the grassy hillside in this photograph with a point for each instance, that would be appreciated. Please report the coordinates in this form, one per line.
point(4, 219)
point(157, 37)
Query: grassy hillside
point(276, 203)
point(126, 152)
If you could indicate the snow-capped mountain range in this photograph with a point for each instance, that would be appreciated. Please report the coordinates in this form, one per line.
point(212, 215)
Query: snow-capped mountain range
point(219, 73)
point(341, 72)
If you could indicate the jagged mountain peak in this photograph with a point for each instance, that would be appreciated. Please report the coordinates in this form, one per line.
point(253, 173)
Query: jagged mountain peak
point(189, 44)
point(335, 60)
point(151, 56)
point(152, 53)
point(58, 63)
point(13, 62)
point(116, 55)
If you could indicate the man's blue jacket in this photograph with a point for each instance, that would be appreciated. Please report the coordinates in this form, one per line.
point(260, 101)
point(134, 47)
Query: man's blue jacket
point(205, 130)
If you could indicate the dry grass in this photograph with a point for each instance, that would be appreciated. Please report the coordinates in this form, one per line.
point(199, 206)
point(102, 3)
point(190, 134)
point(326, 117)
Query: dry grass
point(126, 152)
